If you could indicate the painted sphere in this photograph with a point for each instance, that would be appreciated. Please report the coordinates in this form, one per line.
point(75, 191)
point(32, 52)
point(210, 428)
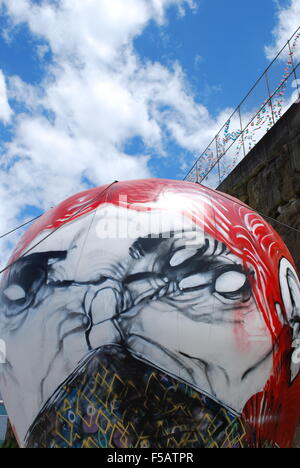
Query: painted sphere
point(151, 313)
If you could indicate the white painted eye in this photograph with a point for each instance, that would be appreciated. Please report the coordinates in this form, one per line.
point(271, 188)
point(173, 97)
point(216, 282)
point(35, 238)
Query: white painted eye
point(14, 292)
point(181, 256)
point(230, 282)
point(194, 281)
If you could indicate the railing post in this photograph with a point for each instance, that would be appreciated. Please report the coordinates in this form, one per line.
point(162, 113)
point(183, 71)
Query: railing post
point(197, 172)
point(294, 68)
point(218, 159)
point(270, 96)
point(242, 130)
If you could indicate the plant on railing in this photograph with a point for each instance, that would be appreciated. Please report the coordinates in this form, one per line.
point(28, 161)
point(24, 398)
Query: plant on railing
point(258, 123)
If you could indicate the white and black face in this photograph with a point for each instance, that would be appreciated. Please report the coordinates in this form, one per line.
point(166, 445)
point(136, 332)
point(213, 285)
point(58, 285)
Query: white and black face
point(185, 309)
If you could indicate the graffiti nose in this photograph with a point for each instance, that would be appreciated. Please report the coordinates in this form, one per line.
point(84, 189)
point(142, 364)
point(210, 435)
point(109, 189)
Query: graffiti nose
point(103, 302)
point(103, 305)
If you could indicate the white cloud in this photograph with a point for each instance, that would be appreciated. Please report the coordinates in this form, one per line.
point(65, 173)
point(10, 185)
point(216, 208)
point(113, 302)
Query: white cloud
point(96, 95)
point(288, 22)
point(5, 110)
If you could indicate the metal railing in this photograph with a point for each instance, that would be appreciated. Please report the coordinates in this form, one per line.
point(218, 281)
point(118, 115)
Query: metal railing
point(251, 120)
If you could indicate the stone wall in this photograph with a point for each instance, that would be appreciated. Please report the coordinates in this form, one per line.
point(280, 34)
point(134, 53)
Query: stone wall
point(268, 180)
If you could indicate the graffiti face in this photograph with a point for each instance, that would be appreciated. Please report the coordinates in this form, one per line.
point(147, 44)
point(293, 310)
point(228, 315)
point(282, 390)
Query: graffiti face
point(184, 304)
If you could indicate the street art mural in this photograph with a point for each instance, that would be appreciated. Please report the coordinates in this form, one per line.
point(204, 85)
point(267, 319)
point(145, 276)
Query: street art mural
point(151, 313)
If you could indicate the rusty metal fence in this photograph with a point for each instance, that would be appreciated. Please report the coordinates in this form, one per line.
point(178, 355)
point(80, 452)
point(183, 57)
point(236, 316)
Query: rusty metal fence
point(270, 97)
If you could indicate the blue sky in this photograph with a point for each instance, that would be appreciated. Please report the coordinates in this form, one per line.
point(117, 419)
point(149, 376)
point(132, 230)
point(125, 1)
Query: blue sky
point(94, 92)
point(220, 47)
point(212, 43)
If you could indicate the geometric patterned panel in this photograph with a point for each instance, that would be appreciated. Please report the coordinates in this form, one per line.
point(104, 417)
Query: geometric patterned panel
point(116, 401)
